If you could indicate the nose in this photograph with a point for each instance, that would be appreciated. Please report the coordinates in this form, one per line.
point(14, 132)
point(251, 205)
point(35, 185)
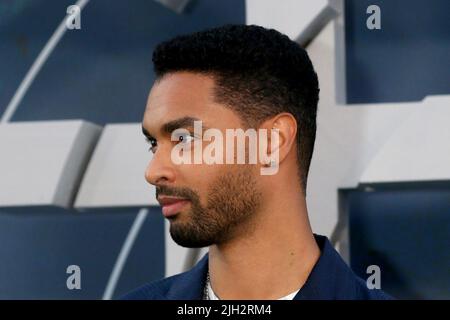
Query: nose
point(160, 169)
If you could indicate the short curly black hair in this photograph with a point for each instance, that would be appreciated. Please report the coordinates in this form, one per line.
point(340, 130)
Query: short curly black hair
point(258, 73)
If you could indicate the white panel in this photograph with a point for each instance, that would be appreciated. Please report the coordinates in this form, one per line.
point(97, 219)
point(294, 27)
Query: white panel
point(419, 150)
point(176, 255)
point(115, 175)
point(348, 137)
point(41, 163)
point(290, 17)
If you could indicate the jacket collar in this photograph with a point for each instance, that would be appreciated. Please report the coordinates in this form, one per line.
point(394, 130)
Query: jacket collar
point(190, 285)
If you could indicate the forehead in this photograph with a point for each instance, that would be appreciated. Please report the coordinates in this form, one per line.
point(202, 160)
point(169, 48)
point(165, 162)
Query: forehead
point(178, 92)
point(185, 94)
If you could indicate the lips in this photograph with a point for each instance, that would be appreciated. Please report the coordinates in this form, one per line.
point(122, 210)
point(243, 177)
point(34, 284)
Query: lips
point(171, 205)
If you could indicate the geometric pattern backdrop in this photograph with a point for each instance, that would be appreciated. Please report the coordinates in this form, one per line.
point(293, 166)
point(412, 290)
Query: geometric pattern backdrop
point(101, 73)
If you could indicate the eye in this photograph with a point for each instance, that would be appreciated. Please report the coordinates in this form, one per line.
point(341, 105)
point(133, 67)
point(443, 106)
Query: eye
point(184, 138)
point(153, 144)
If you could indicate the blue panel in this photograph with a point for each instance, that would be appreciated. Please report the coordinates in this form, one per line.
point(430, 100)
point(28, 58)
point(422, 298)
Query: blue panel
point(38, 244)
point(408, 59)
point(407, 234)
point(102, 72)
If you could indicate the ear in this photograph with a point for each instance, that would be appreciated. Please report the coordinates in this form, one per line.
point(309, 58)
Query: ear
point(286, 126)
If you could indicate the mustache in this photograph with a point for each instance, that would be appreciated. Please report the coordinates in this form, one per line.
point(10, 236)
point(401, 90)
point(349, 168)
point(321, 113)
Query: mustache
point(176, 192)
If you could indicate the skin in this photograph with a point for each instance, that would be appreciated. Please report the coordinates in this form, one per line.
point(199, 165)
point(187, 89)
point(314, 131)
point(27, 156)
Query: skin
point(261, 245)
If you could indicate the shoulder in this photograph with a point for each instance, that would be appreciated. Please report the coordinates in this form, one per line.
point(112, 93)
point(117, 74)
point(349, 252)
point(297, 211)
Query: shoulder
point(362, 292)
point(156, 290)
point(332, 279)
point(188, 285)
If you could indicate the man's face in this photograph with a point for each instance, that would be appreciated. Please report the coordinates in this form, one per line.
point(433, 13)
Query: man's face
point(205, 203)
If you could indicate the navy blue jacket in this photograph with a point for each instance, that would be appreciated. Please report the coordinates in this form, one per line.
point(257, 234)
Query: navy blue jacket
point(330, 278)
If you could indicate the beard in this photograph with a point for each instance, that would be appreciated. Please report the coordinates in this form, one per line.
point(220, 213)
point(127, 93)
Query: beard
point(232, 200)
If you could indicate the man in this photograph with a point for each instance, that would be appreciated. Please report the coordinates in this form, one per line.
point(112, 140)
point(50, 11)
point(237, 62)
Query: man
point(261, 245)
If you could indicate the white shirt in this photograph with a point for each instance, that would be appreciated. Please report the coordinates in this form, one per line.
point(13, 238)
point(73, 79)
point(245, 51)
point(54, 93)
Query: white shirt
point(212, 295)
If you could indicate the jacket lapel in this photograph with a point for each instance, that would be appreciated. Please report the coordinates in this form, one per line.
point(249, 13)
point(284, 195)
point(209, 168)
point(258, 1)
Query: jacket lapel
point(190, 285)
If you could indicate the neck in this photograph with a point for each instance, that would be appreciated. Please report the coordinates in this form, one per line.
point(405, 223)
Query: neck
point(270, 259)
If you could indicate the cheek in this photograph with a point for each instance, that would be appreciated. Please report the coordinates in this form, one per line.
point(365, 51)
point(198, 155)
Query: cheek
point(200, 177)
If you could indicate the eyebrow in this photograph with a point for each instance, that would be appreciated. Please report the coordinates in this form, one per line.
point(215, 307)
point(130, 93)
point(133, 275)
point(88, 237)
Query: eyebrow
point(171, 126)
point(184, 122)
point(146, 134)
